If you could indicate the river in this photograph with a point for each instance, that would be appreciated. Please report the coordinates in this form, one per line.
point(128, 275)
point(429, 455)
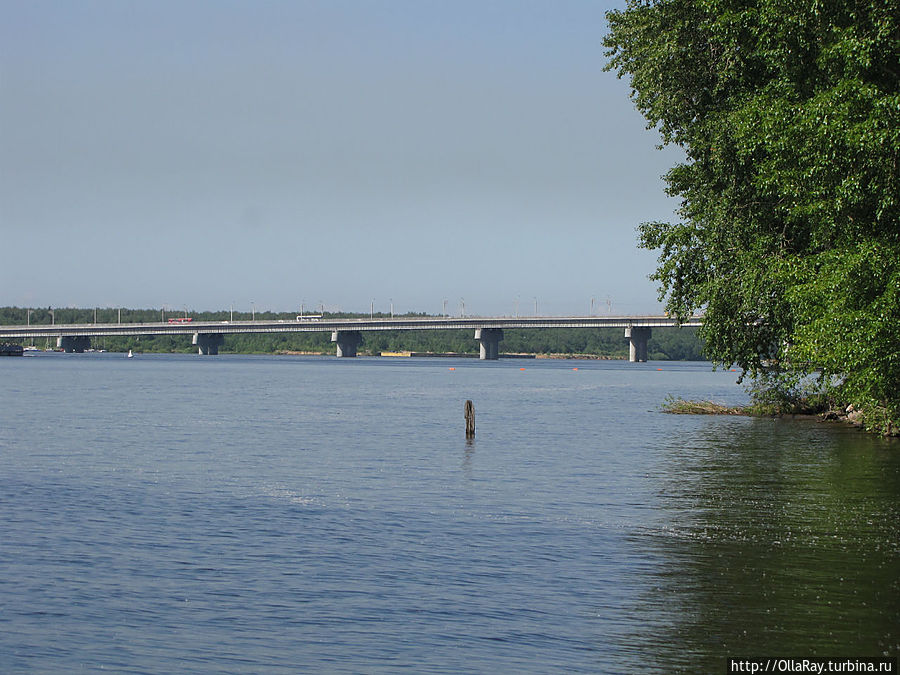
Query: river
point(254, 514)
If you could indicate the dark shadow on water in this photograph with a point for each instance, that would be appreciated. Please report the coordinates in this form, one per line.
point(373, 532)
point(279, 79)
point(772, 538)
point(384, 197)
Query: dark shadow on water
point(783, 538)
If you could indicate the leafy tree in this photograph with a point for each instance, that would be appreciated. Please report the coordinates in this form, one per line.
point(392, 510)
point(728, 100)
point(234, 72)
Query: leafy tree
point(788, 113)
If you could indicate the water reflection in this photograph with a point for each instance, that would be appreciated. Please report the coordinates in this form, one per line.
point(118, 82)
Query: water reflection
point(783, 538)
point(468, 454)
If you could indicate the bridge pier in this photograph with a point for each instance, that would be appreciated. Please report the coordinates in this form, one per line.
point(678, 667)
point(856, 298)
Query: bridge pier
point(637, 338)
point(73, 343)
point(208, 343)
point(347, 342)
point(489, 341)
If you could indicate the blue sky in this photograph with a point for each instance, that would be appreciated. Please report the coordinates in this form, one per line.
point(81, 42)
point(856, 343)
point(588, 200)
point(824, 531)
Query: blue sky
point(208, 152)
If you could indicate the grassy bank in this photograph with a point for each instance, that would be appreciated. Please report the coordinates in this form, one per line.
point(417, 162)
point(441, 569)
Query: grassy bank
point(817, 407)
point(679, 406)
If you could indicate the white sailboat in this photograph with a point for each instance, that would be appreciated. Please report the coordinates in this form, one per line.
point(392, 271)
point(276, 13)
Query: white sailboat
point(129, 355)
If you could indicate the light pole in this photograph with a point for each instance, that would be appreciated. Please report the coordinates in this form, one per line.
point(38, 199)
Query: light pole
point(444, 308)
point(517, 306)
point(372, 309)
point(392, 307)
point(252, 311)
point(535, 306)
point(52, 317)
point(462, 307)
point(28, 321)
point(592, 306)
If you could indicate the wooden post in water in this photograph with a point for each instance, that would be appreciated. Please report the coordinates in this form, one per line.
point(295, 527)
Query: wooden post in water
point(470, 420)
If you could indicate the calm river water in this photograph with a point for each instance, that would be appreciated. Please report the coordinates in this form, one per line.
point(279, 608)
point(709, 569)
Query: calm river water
point(248, 514)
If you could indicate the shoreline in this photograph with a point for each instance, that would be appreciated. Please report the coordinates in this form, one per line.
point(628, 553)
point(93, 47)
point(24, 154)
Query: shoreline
point(473, 355)
point(850, 417)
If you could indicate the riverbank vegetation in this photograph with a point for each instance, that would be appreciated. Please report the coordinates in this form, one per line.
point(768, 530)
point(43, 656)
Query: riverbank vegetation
point(768, 399)
point(680, 406)
point(788, 115)
point(666, 344)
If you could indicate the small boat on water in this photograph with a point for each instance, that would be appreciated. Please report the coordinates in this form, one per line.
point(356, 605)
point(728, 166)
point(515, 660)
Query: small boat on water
point(129, 355)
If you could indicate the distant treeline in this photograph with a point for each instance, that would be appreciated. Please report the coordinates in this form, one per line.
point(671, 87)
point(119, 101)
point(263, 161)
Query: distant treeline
point(674, 344)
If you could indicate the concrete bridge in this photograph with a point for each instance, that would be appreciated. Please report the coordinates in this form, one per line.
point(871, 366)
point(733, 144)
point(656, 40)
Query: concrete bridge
point(347, 333)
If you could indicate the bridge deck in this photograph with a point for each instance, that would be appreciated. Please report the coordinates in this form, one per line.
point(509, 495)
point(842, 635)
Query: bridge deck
point(330, 325)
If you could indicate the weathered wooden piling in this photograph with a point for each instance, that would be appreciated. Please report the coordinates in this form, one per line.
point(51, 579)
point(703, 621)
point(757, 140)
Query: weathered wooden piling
point(470, 420)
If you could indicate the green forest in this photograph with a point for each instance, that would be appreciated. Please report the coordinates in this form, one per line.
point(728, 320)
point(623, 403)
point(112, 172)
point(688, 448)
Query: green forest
point(787, 115)
point(672, 344)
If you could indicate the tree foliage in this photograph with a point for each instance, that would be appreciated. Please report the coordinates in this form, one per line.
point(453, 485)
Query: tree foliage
point(788, 112)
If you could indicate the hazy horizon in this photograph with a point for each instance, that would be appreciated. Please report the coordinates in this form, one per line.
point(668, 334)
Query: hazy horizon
point(208, 153)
